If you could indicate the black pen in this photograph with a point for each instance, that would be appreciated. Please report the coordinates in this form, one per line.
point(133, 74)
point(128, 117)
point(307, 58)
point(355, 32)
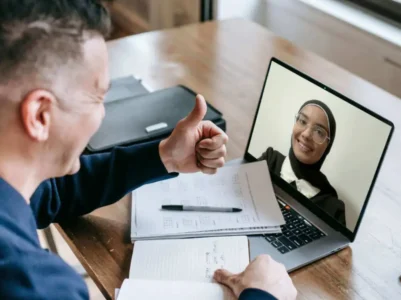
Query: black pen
point(201, 208)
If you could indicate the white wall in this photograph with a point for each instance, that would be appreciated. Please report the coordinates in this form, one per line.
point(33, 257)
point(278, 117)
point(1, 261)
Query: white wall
point(254, 10)
point(319, 26)
point(358, 145)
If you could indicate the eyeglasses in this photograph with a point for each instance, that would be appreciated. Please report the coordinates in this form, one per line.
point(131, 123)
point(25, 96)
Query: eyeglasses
point(319, 134)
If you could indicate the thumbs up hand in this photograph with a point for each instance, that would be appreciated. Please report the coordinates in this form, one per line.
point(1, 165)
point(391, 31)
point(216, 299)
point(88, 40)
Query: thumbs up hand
point(194, 145)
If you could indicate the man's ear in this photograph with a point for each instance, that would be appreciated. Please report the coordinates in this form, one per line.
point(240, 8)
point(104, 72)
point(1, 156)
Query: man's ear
point(36, 114)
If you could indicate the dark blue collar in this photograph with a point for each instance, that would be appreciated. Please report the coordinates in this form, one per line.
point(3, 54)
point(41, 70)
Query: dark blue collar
point(14, 211)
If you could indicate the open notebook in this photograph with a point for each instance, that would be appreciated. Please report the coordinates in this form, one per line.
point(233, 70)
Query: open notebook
point(246, 186)
point(183, 269)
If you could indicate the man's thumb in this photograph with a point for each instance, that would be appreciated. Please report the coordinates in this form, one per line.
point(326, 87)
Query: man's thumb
point(224, 277)
point(198, 113)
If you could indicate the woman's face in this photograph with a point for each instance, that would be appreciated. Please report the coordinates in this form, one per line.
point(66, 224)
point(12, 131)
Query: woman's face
point(311, 126)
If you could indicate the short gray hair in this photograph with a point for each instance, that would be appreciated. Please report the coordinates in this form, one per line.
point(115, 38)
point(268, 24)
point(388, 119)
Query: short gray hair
point(39, 36)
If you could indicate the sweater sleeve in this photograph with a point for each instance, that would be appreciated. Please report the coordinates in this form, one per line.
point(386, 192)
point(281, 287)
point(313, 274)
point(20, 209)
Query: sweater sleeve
point(255, 294)
point(38, 275)
point(102, 180)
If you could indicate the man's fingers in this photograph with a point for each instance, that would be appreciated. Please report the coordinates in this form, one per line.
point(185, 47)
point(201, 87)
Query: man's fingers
point(224, 277)
point(213, 143)
point(212, 154)
point(206, 170)
point(197, 114)
point(212, 163)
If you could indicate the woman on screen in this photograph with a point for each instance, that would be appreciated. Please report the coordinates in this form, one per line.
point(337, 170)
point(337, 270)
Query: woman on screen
point(312, 138)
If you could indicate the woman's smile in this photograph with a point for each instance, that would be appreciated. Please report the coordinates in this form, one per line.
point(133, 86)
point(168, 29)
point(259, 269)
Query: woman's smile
point(304, 147)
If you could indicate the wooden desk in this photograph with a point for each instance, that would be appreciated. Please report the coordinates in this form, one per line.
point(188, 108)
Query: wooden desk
point(227, 61)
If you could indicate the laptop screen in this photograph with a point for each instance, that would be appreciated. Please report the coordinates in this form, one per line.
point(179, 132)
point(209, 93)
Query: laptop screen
point(320, 144)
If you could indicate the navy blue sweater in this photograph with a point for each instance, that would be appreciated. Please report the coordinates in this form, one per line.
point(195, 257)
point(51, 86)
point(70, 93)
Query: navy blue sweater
point(29, 272)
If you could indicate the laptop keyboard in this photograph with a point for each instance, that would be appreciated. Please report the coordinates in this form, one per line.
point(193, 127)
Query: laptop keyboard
point(296, 232)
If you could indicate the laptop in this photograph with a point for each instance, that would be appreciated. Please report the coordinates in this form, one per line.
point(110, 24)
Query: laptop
point(322, 165)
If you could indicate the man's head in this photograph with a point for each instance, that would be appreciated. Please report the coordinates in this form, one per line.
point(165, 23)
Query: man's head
point(53, 77)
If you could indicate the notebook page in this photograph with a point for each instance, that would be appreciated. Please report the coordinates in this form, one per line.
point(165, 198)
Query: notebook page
point(188, 259)
point(247, 186)
point(172, 290)
point(231, 232)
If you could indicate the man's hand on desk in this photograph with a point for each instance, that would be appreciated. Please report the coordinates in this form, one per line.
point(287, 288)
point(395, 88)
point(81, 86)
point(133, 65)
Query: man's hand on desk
point(194, 145)
point(264, 273)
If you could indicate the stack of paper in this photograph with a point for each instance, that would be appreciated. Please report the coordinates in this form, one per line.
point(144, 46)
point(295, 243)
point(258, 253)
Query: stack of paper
point(183, 269)
point(246, 186)
point(125, 87)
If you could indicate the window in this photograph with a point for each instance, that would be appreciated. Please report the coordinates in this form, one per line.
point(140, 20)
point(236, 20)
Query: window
point(388, 8)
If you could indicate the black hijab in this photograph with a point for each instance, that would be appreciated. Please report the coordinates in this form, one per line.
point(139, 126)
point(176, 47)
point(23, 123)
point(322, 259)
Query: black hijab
point(312, 173)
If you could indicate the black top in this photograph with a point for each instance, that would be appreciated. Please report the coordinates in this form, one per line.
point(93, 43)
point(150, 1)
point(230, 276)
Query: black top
point(325, 199)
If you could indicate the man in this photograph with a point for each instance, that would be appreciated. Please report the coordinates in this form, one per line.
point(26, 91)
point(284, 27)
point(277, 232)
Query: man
point(53, 78)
